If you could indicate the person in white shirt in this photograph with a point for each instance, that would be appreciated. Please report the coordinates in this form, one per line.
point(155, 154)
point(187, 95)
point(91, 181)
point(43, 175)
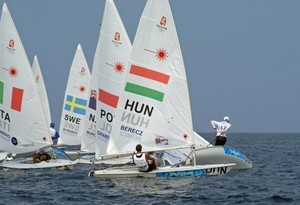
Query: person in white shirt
point(144, 161)
point(53, 133)
point(221, 129)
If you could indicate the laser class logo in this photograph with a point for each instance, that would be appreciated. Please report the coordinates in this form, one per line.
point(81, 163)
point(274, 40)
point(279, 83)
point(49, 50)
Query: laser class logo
point(13, 72)
point(161, 54)
point(118, 66)
point(82, 89)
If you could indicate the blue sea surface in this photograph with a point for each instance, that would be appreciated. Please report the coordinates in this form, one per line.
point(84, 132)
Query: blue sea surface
point(274, 179)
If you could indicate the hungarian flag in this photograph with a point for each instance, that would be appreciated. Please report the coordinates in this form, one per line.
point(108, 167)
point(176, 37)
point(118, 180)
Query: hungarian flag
point(154, 76)
point(16, 97)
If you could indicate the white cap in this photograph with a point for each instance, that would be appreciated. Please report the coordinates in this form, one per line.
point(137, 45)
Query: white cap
point(226, 118)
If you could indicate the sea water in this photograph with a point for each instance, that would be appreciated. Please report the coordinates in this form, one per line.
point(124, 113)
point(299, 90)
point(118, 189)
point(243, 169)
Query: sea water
point(274, 179)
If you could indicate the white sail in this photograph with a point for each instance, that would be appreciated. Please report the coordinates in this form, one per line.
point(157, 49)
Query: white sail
point(75, 101)
point(23, 127)
point(39, 80)
point(114, 50)
point(154, 109)
point(89, 135)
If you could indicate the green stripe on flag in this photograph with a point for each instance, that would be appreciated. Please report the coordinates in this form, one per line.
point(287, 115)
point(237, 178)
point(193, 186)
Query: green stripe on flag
point(1, 92)
point(146, 92)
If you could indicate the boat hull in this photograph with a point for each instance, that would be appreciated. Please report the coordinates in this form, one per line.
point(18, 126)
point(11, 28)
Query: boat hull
point(220, 155)
point(165, 172)
point(25, 164)
point(109, 161)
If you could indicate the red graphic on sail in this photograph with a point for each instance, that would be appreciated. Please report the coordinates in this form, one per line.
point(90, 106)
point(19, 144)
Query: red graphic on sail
point(108, 98)
point(13, 72)
point(82, 89)
point(11, 43)
point(163, 21)
point(161, 54)
point(119, 67)
point(17, 98)
point(150, 74)
point(117, 36)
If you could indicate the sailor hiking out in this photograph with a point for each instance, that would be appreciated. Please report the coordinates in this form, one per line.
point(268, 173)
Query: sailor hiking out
point(144, 161)
point(221, 129)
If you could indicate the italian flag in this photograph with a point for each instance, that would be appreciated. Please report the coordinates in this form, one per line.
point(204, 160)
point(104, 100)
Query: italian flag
point(16, 97)
point(155, 76)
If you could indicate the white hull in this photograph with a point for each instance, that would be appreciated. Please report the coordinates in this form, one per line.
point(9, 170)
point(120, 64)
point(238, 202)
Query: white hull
point(220, 155)
point(109, 161)
point(165, 172)
point(26, 164)
point(78, 153)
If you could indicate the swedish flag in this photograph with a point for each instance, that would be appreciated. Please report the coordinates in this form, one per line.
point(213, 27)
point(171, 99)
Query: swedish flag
point(76, 105)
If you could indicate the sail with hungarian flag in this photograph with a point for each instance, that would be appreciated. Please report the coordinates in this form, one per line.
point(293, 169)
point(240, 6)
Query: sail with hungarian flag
point(154, 108)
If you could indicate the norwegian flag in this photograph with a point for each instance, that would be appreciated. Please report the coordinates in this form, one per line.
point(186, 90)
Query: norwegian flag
point(93, 99)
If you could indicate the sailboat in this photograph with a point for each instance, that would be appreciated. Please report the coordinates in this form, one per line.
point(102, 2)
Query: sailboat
point(153, 108)
point(24, 128)
point(112, 53)
point(75, 103)
point(111, 56)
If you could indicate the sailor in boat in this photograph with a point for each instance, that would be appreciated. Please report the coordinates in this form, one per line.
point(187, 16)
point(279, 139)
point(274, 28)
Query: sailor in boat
point(144, 161)
point(221, 129)
point(40, 156)
point(54, 134)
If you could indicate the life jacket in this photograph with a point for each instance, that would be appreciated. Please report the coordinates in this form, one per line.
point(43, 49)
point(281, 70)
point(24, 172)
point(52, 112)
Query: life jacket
point(141, 162)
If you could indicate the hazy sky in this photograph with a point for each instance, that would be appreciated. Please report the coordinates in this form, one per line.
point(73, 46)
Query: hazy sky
point(242, 58)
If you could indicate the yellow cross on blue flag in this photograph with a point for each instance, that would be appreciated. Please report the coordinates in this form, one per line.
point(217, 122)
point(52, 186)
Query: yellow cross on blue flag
point(76, 105)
